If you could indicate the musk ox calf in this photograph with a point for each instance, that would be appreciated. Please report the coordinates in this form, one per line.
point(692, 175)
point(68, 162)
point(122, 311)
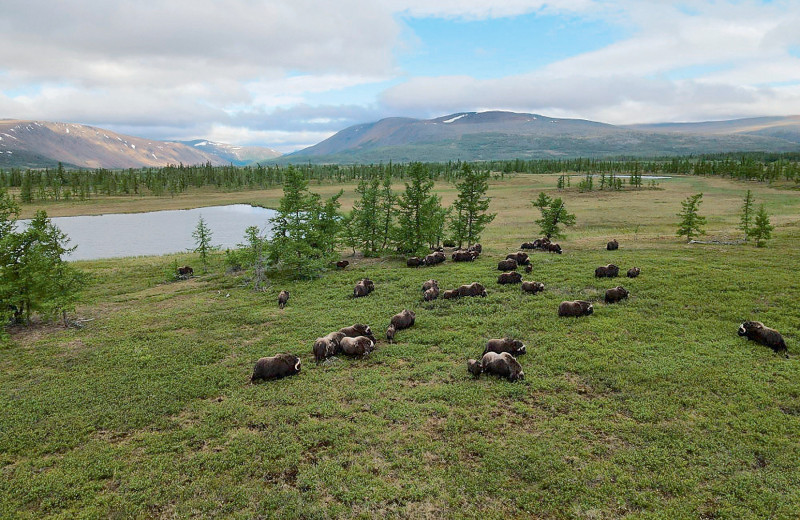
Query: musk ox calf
point(633, 272)
point(431, 294)
point(276, 367)
point(575, 308)
point(510, 277)
point(358, 329)
point(464, 256)
point(400, 321)
point(613, 245)
point(553, 248)
point(616, 294)
point(513, 346)
point(414, 261)
point(532, 287)
point(341, 264)
point(430, 283)
point(283, 297)
point(606, 271)
point(185, 271)
point(358, 346)
point(327, 346)
point(473, 289)
point(758, 332)
point(509, 264)
point(503, 365)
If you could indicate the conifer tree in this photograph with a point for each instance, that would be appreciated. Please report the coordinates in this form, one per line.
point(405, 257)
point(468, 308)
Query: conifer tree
point(762, 228)
point(691, 223)
point(747, 215)
point(417, 211)
point(469, 216)
point(554, 214)
point(202, 241)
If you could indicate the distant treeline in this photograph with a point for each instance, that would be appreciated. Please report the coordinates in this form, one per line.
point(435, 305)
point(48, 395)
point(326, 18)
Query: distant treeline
point(64, 184)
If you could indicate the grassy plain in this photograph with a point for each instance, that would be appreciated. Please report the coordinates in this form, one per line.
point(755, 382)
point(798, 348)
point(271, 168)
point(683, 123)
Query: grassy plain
point(651, 408)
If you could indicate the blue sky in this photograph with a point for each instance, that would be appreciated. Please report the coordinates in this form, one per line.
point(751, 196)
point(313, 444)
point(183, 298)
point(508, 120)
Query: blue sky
point(289, 73)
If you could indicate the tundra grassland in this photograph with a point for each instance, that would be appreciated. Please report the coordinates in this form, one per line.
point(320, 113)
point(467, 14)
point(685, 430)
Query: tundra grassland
point(649, 408)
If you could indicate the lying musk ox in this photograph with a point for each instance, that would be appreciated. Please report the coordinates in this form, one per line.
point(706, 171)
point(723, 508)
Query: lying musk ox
point(363, 288)
point(528, 245)
point(450, 294)
point(512, 346)
point(473, 289)
point(185, 271)
point(520, 257)
point(509, 264)
point(613, 245)
point(476, 248)
point(357, 346)
point(414, 261)
point(464, 256)
point(503, 365)
point(616, 294)
point(430, 283)
point(510, 277)
point(606, 271)
point(434, 258)
point(327, 346)
point(359, 329)
point(341, 264)
point(575, 308)
point(532, 287)
point(431, 294)
point(283, 297)
point(758, 332)
point(400, 321)
point(276, 367)
point(633, 272)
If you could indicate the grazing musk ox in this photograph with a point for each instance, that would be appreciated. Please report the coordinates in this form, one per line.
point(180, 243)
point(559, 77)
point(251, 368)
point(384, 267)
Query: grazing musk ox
point(606, 271)
point(758, 332)
point(633, 272)
point(510, 277)
point(613, 245)
point(575, 308)
point(509, 264)
point(358, 329)
point(400, 321)
point(532, 287)
point(327, 346)
point(358, 346)
point(553, 248)
point(616, 294)
point(520, 257)
point(503, 365)
point(283, 297)
point(185, 271)
point(276, 367)
point(513, 346)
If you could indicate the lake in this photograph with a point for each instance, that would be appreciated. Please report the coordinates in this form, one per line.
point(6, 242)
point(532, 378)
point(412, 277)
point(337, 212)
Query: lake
point(157, 232)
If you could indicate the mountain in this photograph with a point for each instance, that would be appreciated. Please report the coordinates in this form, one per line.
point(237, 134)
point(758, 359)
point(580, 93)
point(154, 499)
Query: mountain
point(36, 144)
point(238, 155)
point(509, 135)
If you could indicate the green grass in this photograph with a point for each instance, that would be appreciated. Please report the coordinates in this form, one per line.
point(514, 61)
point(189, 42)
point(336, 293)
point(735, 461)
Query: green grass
point(650, 408)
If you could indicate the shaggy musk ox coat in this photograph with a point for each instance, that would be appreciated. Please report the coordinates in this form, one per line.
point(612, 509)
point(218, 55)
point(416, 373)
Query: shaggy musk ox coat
point(520, 257)
point(185, 271)
point(414, 261)
point(430, 283)
point(528, 245)
point(575, 308)
point(613, 245)
point(473, 289)
point(616, 294)
point(509, 264)
point(283, 297)
point(357, 346)
point(513, 346)
point(606, 271)
point(633, 272)
point(276, 367)
point(553, 248)
point(532, 287)
point(363, 288)
point(400, 321)
point(758, 332)
point(431, 294)
point(512, 277)
point(503, 365)
point(464, 256)
point(327, 346)
point(450, 294)
point(359, 329)
point(434, 258)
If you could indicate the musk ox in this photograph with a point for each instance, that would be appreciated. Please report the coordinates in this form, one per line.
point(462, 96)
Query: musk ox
point(363, 288)
point(283, 297)
point(414, 261)
point(450, 294)
point(434, 258)
point(633, 272)
point(503, 365)
point(341, 264)
point(616, 294)
point(575, 308)
point(400, 321)
point(358, 346)
point(509, 264)
point(327, 346)
point(606, 271)
point(510, 277)
point(276, 367)
point(513, 346)
point(532, 287)
point(358, 329)
point(431, 294)
point(613, 245)
point(553, 248)
point(758, 332)
point(473, 289)
point(464, 256)
point(430, 283)
point(520, 257)
point(185, 271)
point(529, 268)
point(528, 245)
point(477, 248)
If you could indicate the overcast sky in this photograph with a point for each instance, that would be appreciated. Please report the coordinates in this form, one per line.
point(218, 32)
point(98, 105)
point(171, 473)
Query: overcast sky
point(289, 73)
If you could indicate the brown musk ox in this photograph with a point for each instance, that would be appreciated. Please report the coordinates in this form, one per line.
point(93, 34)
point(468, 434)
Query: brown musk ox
point(477, 248)
point(613, 245)
point(283, 297)
point(532, 287)
point(509, 264)
point(510, 277)
point(633, 272)
point(414, 261)
point(463, 256)
point(528, 245)
point(616, 294)
point(606, 271)
point(503, 365)
point(553, 248)
point(276, 367)
point(430, 283)
point(529, 268)
point(575, 308)
point(763, 335)
point(363, 288)
point(431, 294)
point(358, 329)
point(185, 271)
point(327, 346)
point(474, 367)
point(434, 258)
point(473, 289)
point(513, 346)
point(520, 257)
point(400, 321)
point(341, 264)
point(450, 294)
point(358, 346)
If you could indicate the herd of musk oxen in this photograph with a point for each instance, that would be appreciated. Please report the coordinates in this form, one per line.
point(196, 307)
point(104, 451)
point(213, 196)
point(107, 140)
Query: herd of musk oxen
point(500, 355)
